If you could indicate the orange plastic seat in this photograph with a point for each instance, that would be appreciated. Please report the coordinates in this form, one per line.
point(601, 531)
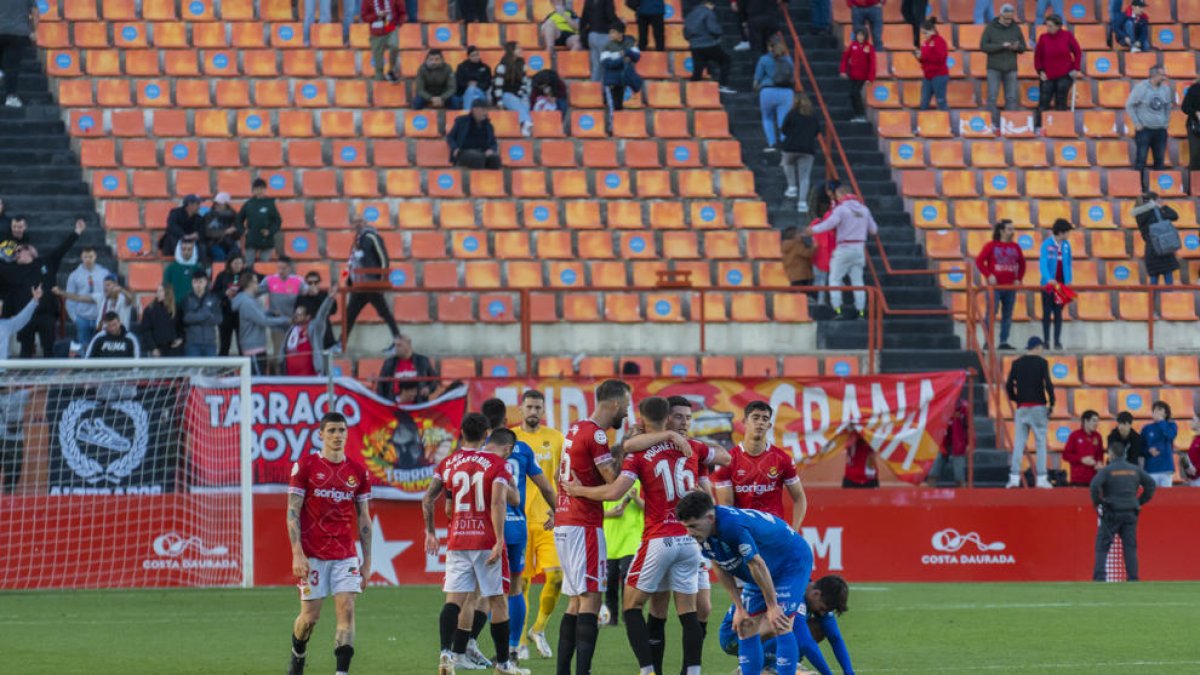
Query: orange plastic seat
point(1100, 124)
point(1177, 306)
point(1094, 306)
point(1085, 398)
point(1101, 370)
point(1142, 371)
point(1181, 370)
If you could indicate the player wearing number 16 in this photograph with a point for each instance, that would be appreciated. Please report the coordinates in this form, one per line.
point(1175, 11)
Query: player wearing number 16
point(327, 512)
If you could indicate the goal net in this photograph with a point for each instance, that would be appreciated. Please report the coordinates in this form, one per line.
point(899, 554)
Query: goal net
point(110, 479)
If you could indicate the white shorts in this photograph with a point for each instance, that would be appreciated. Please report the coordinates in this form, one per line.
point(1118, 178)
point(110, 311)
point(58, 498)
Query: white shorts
point(330, 577)
point(1163, 479)
point(469, 571)
point(665, 564)
point(583, 556)
point(704, 579)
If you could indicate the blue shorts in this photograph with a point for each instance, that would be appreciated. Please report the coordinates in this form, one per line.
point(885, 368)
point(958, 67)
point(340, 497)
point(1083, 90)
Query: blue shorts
point(516, 557)
point(789, 592)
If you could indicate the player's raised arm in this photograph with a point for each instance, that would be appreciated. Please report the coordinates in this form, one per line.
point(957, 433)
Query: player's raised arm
point(427, 504)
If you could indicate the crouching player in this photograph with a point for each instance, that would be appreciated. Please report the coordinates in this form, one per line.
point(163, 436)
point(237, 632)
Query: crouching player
point(820, 627)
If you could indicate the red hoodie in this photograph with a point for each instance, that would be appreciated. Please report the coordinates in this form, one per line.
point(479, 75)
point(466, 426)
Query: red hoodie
point(858, 62)
point(1057, 54)
point(383, 16)
point(933, 57)
point(1003, 259)
point(1081, 444)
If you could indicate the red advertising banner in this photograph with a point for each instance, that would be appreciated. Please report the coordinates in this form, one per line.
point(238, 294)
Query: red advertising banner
point(904, 417)
point(885, 535)
point(399, 444)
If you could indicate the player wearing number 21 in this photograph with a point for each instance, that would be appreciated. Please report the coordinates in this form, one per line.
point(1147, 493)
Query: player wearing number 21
point(668, 559)
point(760, 471)
point(327, 511)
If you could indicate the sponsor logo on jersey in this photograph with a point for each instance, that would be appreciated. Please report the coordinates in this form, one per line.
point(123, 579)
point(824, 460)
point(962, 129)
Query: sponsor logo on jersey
point(333, 494)
point(757, 489)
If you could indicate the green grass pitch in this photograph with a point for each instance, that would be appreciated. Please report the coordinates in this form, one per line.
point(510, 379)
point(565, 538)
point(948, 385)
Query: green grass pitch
point(1087, 629)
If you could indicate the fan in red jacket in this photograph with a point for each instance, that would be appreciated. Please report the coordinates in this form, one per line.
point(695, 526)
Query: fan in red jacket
point(1084, 451)
point(384, 17)
point(1057, 59)
point(1002, 263)
point(858, 66)
point(934, 56)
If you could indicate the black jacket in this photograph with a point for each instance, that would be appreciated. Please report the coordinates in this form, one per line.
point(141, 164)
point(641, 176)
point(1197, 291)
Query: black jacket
point(1029, 381)
point(1155, 264)
point(467, 134)
point(105, 346)
point(1115, 487)
point(157, 329)
point(800, 132)
point(17, 280)
point(223, 281)
point(390, 388)
point(369, 253)
point(597, 16)
point(179, 225)
point(1135, 448)
point(480, 72)
point(1190, 106)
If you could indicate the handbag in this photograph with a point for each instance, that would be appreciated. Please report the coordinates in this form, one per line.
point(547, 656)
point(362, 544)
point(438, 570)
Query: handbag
point(1162, 236)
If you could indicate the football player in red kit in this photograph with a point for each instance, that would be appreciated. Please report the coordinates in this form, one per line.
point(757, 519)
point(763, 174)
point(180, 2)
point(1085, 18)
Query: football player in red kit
point(760, 472)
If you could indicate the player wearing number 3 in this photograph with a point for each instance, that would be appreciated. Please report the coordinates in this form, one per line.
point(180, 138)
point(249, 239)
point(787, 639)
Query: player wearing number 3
point(327, 496)
point(667, 560)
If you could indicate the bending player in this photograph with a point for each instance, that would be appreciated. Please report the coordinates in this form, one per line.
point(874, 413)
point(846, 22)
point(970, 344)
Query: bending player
point(668, 558)
point(774, 563)
point(820, 627)
point(759, 472)
point(521, 465)
point(327, 512)
point(579, 526)
point(541, 557)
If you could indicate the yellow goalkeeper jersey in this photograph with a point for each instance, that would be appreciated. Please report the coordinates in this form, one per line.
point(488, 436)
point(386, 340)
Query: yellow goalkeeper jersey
point(546, 444)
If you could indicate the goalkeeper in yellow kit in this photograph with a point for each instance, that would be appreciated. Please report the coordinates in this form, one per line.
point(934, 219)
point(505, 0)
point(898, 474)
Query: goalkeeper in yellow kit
point(541, 556)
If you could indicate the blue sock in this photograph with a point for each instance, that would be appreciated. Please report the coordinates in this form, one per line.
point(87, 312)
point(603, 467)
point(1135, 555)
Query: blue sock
point(787, 654)
point(516, 619)
point(750, 655)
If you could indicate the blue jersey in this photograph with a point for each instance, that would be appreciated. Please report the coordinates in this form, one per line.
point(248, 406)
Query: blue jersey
point(741, 534)
point(522, 464)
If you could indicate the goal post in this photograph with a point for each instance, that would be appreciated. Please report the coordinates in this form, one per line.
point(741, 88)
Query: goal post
point(112, 476)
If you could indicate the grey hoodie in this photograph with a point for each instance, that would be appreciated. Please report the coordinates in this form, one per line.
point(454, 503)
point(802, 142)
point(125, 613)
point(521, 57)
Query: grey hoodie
point(1150, 106)
point(10, 327)
point(253, 323)
point(77, 284)
point(201, 316)
point(852, 220)
point(701, 28)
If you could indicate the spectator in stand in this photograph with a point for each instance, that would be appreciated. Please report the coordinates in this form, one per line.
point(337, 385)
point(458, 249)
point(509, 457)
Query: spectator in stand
point(595, 20)
point(370, 253)
point(312, 299)
point(18, 26)
point(1135, 447)
point(118, 300)
point(253, 323)
point(221, 230)
point(113, 342)
point(1114, 493)
point(1084, 451)
point(797, 257)
point(83, 286)
point(179, 273)
point(182, 222)
point(1190, 462)
point(384, 17)
point(1133, 29)
point(1159, 437)
point(1147, 211)
point(473, 78)
point(5, 222)
point(13, 325)
point(858, 66)
point(650, 15)
point(914, 12)
point(158, 331)
point(549, 92)
point(1055, 262)
point(545, 99)
point(1149, 107)
point(407, 377)
point(853, 222)
point(800, 129)
point(618, 59)
point(861, 471)
point(1058, 61)
point(1003, 39)
point(349, 15)
point(934, 56)
point(473, 11)
point(1042, 5)
point(283, 289)
point(304, 353)
point(511, 85)
point(434, 86)
point(201, 318)
point(763, 22)
point(1191, 108)
point(472, 140)
point(228, 279)
point(954, 448)
point(863, 12)
point(29, 270)
point(561, 27)
point(1030, 389)
point(821, 17)
point(14, 235)
point(774, 81)
point(260, 220)
point(702, 30)
point(1002, 263)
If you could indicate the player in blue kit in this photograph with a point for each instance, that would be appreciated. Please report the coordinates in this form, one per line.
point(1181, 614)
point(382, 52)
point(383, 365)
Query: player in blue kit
point(522, 464)
point(820, 626)
point(774, 563)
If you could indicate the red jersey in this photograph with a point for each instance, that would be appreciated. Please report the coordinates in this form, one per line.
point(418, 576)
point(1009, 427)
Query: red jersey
point(702, 450)
point(1004, 259)
point(470, 476)
point(1081, 444)
point(860, 462)
point(758, 480)
point(666, 476)
point(298, 351)
point(584, 450)
point(329, 516)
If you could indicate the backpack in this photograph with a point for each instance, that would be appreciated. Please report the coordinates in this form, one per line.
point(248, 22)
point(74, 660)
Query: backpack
point(1162, 236)
point(783, 74)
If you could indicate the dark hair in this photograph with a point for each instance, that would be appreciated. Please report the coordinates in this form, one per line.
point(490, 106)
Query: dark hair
point(471, 49)
point(610, 390)
point(474, 427)
point(200, 274)
point(862, 31)
point(1124, 417)
point(1055, 19)
point(999, 227)
point(534, 394)
point(1117, 447)
point(1089, 414)
point(247, 277)
point(788, 233)
point(495, 411)
point(86, 248)
point(1163, 406)
point(312, 273)
point(930, 24)
point(834, 592)
point(755, 406)
point(681, 401)
point(631, 368)
point(433, 52)
point(258, 183)
point(654, 409)
point(502, 437)
point(331, 418)
point(514, 66)
point(1061, 225)
point(284, 259)
point(694, 505)
point(618, 26)
point(111, 316)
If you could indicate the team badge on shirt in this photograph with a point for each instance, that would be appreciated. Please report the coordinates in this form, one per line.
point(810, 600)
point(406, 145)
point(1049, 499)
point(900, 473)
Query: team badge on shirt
point(351, 481)
point(601, 437)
